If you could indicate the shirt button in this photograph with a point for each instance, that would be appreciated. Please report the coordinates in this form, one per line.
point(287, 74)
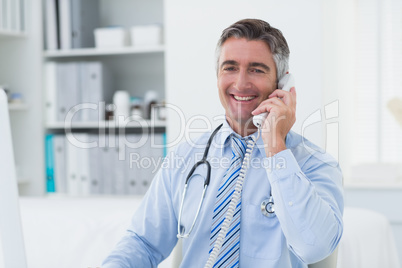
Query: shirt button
point(290, 203)
point(279, 166)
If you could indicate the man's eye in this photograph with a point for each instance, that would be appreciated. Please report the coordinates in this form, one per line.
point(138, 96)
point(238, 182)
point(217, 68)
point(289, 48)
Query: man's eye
point(257, 71)
point(229, 68)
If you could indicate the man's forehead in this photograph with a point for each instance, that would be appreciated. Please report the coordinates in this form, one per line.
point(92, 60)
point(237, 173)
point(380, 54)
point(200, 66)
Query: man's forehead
point(236, 50)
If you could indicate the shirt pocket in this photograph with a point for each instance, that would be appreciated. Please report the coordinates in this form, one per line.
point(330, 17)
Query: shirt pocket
point(261, 237)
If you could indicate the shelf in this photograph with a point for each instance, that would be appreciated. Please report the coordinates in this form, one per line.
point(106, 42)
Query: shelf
point(84, 52)
point(107, 124)
point(17, 107)
point(11, 34)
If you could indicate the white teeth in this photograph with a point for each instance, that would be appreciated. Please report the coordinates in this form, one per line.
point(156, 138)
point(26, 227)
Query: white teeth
point(243, 98)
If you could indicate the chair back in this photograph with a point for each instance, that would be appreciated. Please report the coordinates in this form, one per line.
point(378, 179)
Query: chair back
point(328, 262)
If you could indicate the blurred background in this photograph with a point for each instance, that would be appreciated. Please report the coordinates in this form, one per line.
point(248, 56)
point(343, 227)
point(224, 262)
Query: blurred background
point(151, 65)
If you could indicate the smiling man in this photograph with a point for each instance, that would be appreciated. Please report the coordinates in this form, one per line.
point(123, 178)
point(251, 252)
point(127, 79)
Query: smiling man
point(247, 79)
point(285, 211)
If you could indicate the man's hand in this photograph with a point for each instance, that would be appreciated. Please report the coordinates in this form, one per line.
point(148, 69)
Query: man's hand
point(281, 108)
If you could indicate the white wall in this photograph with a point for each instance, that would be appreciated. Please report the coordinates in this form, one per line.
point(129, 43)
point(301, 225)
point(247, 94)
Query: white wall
point(193, 29)
point(338, 49)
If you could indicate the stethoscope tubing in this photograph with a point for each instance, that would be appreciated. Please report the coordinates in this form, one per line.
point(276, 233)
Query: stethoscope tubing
point(204, 160)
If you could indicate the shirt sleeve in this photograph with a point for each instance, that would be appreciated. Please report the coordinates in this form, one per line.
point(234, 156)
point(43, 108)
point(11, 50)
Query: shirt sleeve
point(152, 233)
point(308, 200)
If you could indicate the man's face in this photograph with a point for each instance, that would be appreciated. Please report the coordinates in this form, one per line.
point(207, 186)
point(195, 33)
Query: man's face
point(246, 77)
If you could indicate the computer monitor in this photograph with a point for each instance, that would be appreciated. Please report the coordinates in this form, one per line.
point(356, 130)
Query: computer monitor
point(11, 238)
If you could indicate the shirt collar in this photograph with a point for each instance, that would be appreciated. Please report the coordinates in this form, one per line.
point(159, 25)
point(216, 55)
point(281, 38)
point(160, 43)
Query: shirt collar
point(223, 141)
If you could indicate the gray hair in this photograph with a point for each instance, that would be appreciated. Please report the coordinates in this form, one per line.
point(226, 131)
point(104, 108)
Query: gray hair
point(254, 29)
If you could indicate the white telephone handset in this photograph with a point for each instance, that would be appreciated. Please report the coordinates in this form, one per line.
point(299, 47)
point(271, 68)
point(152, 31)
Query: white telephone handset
point(286, 83)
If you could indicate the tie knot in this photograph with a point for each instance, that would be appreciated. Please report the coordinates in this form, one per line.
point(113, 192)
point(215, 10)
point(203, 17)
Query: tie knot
point(239, 146)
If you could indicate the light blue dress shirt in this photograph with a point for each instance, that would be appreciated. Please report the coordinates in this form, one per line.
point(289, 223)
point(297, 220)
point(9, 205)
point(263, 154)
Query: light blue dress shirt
point(305, 182)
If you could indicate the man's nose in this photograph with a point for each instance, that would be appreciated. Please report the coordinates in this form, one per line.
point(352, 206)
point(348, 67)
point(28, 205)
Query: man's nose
point(242, 80)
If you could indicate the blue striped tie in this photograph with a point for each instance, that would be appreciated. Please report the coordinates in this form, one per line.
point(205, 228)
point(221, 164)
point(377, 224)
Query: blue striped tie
point(230, 251)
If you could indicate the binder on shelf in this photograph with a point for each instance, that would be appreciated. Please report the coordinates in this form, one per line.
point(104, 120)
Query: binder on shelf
point(164, 137)
point(60, 163)
point(50, 185)
point(65, 24)
point(51, 91)
point(125, 165)
point(83, 164)
point(7, 14)
point(95, 87)
point(133, 164)
point(51, 25)
point(144, 152)
point(85, 19)
point(67, 90)
point(11, 15)
point(73, 182)
point(1, 15)
point(106, 165)
point(22, 15)
point(69, 84)
point(119, 170)
point(95, 184)
point(78, 19)
point(17, 16)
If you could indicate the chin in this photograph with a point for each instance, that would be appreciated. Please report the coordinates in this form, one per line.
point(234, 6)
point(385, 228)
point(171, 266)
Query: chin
point(239, 119)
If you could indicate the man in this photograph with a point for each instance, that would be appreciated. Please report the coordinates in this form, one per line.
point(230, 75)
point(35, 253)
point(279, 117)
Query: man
point(306, 187)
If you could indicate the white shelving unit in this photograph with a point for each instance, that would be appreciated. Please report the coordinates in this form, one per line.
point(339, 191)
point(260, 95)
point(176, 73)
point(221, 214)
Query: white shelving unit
point(136, 70)
point(23, 54)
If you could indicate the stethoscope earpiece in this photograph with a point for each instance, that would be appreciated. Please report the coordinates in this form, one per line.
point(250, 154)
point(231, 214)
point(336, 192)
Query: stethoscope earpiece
point(267, 207)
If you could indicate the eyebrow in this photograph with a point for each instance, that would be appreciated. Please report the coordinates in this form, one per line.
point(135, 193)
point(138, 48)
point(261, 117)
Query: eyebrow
point(260, 64)
point(253, 64)
point(229, 62)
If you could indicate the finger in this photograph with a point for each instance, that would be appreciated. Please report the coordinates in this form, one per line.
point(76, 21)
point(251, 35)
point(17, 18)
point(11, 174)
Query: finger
point(262, 109)
point(279, 93)
point(288, 98)
point(267, 105)
point(293, 92)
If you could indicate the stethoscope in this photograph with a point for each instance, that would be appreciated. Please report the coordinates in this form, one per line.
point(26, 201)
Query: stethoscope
point(267, 205)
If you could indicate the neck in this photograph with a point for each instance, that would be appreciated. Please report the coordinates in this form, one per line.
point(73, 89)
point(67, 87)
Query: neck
point(243, 128)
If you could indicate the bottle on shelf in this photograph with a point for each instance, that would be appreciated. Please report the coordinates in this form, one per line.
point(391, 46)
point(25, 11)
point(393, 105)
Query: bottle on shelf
point(121, 100)
point(136, 108)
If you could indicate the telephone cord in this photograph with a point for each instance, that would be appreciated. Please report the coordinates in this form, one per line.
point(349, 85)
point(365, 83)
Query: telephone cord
point(233, 202)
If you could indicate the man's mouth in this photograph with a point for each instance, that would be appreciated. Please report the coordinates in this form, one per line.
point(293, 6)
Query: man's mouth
point(243, 98)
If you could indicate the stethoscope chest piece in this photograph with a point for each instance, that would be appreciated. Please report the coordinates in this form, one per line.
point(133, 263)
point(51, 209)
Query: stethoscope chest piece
point(267, 207)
